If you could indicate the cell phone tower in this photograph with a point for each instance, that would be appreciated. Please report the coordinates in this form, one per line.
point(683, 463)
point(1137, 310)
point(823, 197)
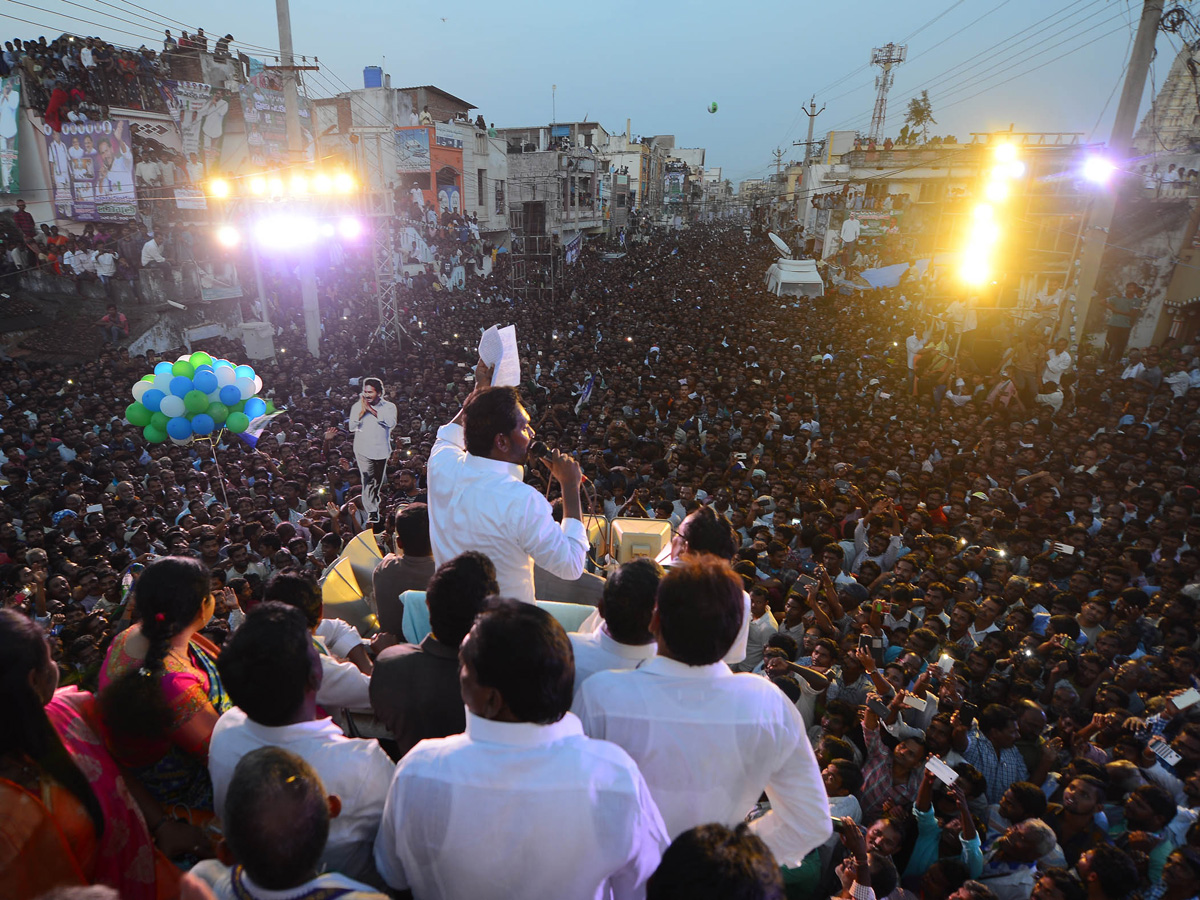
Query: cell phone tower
point(887, 58)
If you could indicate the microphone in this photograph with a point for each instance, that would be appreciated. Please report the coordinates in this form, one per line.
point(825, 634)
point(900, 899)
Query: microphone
point(538, 450)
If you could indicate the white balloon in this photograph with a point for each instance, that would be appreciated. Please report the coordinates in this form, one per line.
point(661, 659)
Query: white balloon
point(140, 388)
point(182, 442)
point(172, 406)
point(225, 376)
point(215, 396)
point(245, 387)
point(257, 384)
point(163, 382)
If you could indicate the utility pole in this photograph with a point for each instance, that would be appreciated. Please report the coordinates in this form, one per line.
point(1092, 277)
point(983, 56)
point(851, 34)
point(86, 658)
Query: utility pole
point(291, 100)
point(1100, 217)
point(812, 112)
point(887, 58)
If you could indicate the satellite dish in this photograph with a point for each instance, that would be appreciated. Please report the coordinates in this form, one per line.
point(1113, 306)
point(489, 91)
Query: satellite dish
point(780, 243)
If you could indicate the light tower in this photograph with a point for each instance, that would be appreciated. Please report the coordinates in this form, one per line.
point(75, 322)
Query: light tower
point(886, 57)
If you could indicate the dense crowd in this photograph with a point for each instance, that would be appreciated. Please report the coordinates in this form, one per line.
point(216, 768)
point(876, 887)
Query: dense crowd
point(972, 610)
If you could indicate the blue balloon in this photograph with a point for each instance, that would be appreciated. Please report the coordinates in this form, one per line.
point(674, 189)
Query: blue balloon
point(202, 423)
point(205, 382)
point(244, 372)
point(204, 368)
point(222, 364)
point(181, 385)
point(255, 407)
point(162, 367)
point(179, 428)
point(230, 395)
point(152, 398)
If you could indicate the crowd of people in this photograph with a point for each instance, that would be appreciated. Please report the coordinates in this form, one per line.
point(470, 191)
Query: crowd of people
point(915, 636)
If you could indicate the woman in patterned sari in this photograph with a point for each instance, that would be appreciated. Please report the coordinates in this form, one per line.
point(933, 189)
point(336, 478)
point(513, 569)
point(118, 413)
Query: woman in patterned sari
point(69, 818)
point(160, 694)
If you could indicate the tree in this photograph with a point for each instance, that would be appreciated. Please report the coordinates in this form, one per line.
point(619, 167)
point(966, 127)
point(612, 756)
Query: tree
point(920, 115)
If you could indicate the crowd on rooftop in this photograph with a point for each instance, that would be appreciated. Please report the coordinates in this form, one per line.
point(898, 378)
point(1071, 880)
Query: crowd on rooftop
point(939, 564)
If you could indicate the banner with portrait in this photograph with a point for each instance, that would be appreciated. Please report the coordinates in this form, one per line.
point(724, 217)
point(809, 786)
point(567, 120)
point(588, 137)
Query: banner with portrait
point(91, 165)
point(199, 110)
point(10, 107)
point(266, 126)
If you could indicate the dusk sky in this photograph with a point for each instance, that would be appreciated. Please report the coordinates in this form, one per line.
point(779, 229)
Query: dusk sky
point(1036, 65)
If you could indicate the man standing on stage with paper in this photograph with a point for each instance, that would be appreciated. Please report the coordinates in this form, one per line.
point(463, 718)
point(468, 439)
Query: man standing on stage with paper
point(478, 499)
point(371, 420)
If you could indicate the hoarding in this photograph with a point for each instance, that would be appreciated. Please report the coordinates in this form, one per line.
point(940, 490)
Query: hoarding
point(91, 164)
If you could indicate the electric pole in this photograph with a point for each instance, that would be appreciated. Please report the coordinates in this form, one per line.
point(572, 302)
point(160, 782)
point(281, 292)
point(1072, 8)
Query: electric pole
point(291, 100)
point(1100, 217)
point(812, 112)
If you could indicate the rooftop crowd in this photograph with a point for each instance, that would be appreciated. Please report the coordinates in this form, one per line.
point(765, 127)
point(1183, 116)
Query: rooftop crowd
point(987, 561)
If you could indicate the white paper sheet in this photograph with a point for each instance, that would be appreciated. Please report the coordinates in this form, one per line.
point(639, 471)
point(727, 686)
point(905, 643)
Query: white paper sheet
point(498, 350)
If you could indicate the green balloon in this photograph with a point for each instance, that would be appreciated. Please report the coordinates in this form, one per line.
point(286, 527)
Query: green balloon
point(184, 368)
point(270, 406)
point(136, 414)
point(159, 420)
point(218, 411)
point(147, 378)
point(200, 358)
point(239, 406)
point(195, 402)
point(237, 422)
point(154, 435)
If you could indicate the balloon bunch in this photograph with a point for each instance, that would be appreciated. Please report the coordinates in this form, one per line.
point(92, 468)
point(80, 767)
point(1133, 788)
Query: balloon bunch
point(196, 396)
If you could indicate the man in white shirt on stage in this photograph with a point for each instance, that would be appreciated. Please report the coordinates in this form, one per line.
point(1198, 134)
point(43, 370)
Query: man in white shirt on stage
point(479, 501)
point(623, 640)
point(709, 741)
point(371, 421)
point(523, 804)
point(272, 671)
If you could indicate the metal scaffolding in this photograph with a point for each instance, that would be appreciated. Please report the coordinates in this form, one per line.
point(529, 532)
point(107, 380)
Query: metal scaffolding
point(535, 267)
point(380, 215)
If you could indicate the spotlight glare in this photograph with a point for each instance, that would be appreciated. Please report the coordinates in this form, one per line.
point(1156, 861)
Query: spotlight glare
point(285, 232)
point(322, 183)
point(275, 187)
point(1006, 152)
point(974, 269)
point(349, 228)
point(983, 212)
point(996, 191)
point(1097, 169)
point(327, 230)
point(1016, 169)
point(299, 186)
point(343, 183)
point(219, 188)
point(227, 236)
point(258, 186)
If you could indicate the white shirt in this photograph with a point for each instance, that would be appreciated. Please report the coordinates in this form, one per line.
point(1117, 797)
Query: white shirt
point(219, 877)
point(356, 770)
point(151, 253)
point(850, 230)
point(1056, 364)
point(513, 809)
point(343, 684)
point(758, 633)
point(373, 434)
point(598, 651)
point(709, 742)
point(913, 344)
point(476, 503)
point(340, 637)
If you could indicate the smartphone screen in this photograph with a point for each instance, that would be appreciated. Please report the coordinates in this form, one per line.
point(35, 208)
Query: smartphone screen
point(941, 771)
point(1188, 698)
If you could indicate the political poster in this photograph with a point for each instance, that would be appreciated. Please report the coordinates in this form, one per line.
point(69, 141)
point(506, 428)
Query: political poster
point(91, 164)
point(449, 198)
point(10, 103)
point(199, 111)
point(412, 150)
point(266, 126)
point(674, 187)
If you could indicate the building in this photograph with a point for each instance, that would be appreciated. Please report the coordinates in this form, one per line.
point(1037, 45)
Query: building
point(557, 192)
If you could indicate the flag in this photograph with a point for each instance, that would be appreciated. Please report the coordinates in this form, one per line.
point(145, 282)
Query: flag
point(586, 395)
point(255, 429)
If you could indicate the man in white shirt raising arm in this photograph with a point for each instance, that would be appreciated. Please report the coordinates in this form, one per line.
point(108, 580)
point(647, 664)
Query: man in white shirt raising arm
point(479, 501)
point(709, 741)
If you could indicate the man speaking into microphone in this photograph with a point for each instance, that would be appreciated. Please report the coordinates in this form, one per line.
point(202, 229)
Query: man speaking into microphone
point(478, 499)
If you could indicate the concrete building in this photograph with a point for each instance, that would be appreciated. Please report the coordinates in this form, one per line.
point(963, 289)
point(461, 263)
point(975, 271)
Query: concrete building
point(557, 192)
point(644, 161)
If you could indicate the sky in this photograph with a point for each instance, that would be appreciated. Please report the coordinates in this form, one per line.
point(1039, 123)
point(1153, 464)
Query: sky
point(1038, 65)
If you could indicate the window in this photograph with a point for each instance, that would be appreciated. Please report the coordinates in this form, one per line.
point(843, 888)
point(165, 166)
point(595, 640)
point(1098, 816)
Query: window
point(620, 201)
point(481, 144)
point(480, 182)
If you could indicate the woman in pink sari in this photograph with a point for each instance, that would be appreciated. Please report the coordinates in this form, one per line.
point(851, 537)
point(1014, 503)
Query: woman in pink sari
point(69, 816)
